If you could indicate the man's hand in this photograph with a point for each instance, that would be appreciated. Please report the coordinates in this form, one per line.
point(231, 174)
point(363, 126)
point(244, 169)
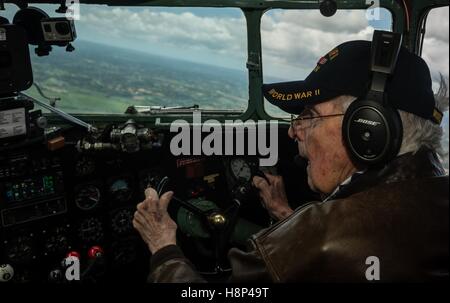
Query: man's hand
point(153, 222)
point(273, 195)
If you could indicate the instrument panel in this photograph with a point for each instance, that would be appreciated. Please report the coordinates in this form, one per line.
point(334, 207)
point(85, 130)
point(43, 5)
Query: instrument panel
point(55, 204)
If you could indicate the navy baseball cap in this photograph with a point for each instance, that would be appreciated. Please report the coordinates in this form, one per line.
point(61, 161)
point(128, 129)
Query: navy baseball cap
point(345, 70)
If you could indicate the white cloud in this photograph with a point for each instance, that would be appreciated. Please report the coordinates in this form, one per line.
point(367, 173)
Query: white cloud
point(437, 24)
point(341, 22)
point(435, 48)
point(183, 30)
point(293, 41)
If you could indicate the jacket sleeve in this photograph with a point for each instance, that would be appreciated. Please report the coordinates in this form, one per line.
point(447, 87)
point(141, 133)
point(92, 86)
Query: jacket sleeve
point(169, 265)
point(248, 266)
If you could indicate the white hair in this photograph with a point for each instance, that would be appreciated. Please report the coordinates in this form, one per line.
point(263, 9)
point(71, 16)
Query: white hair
point(418, 132)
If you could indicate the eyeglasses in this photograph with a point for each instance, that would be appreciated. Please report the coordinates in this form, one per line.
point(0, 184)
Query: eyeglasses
point(305, 119)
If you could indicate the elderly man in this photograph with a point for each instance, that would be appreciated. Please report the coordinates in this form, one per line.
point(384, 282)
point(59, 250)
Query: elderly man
point(386, 220)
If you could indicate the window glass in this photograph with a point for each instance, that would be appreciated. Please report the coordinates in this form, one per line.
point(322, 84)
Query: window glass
point(435, 53)
point(148, 56)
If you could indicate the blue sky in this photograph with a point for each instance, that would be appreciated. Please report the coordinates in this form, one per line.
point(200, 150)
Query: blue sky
point(224, 33)
point(292, 40)
point(218, 35)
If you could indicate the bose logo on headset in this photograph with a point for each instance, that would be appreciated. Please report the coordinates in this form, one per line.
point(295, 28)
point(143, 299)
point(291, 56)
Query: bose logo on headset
point(368, 122)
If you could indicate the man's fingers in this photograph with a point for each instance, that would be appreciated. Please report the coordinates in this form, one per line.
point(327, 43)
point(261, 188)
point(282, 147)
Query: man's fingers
point(272, 179)
point(139, 217)
point(151, 198)
point(165, 200)
point(137, 225)
point(142, 206)
point(151, 193)
point(259, 182)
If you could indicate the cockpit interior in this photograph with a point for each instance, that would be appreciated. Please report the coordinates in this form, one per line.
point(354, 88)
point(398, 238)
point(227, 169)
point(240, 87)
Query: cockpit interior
point(99, 100)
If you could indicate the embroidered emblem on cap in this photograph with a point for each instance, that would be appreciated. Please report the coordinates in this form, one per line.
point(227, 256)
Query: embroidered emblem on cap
point(333, 54)
point(437, 115)
point(323, 60)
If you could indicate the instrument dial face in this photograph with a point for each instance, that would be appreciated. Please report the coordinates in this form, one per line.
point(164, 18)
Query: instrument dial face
point(122, 221)
point(121, 190)
point(56, 241)
point(20, 249)
point(91, 230)
point(124, 252)
point(85, 166)
point(87, 197)
point(240, 169)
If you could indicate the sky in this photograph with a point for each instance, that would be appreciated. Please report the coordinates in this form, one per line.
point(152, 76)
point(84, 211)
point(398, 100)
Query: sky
point(292, 40)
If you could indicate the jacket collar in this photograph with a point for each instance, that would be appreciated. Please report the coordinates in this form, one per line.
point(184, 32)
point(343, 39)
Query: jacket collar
point(422, 164)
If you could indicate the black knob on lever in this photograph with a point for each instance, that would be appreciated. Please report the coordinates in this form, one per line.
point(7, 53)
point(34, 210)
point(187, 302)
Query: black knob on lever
point(56, 276)
point(245, 191)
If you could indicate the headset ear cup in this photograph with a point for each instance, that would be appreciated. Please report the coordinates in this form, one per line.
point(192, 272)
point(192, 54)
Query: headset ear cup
point(372, 132)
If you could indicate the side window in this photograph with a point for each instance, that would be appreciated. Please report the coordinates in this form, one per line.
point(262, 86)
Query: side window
point(294, 40)
point(435, 53)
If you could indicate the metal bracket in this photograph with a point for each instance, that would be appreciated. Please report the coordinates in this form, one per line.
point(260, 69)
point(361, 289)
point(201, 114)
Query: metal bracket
point(62, 9)
point(89, 127)
point(254, 62)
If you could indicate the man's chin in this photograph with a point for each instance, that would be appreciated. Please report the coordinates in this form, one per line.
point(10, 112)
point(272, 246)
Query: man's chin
point(312, 188)
point(311, 184)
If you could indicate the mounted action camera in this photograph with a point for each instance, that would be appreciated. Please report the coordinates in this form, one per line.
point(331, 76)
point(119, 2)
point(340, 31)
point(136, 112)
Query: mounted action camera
point(58, 30)
point(44, 31)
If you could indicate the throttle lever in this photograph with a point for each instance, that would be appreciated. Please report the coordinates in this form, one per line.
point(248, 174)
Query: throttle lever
point(160, 189)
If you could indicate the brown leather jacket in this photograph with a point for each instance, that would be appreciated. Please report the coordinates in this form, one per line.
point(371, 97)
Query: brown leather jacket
point(399, 214)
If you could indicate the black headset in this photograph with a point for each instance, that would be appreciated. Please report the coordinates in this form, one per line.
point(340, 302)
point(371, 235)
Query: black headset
point(372, 128)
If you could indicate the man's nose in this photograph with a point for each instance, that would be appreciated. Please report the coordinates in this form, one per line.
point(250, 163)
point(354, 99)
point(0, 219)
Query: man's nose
point(291, 132)
point(296, 133)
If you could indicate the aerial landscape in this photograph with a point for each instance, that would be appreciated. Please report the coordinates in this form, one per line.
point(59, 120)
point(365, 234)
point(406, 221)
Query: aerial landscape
point(97, 78)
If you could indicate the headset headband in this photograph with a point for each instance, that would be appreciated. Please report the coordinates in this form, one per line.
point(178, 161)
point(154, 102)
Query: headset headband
point(385, 49)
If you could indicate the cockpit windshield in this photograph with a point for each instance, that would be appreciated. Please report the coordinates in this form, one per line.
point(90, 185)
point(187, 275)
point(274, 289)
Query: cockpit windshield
point(148, 57)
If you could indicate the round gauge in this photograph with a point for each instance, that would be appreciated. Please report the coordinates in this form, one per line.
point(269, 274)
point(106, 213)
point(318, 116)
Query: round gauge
point(57, 241)
point(91, 230)
point(122, 221)
point(120, 190)
point(20, 249)
point(124, 252)
point(240, 169)
point(85, 166)
point(87, 197)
